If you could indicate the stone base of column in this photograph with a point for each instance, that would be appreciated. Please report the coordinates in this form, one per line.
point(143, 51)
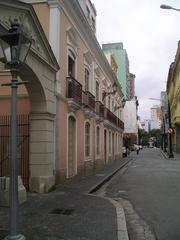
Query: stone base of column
point(17, 237)
point(42, 184)
point(4, 191)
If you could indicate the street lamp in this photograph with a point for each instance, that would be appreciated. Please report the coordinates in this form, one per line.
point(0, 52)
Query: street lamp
point(163, 6)
point(15, 47)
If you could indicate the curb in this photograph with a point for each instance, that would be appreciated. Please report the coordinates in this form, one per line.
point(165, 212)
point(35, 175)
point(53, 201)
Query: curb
point(166, 156)
point(122, 233)
point(106, 178)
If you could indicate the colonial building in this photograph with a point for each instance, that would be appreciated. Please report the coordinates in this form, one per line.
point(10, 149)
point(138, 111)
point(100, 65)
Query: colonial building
point(73, 98)
point(173, 91)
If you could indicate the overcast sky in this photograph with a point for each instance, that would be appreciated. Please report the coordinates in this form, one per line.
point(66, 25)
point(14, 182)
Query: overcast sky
point(150, 36)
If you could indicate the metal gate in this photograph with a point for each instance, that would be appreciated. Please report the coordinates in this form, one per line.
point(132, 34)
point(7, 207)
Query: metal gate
point(23, 147)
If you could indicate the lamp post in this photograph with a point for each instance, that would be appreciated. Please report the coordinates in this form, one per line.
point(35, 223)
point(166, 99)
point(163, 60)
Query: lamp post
point(170, 133)
point(163, 6)
point(15, 46)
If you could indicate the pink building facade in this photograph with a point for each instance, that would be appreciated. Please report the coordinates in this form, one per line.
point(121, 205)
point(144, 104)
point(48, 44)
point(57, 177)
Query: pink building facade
point(85, 96)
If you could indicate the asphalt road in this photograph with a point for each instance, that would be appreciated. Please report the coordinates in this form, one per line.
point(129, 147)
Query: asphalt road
point(152, 185)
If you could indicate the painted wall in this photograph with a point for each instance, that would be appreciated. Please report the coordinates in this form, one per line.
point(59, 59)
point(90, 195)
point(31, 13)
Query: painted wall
point(130, 117)
point(120, 56)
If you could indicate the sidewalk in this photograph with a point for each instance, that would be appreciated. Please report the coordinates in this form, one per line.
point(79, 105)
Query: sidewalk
point(176, 155)
point(70, 212)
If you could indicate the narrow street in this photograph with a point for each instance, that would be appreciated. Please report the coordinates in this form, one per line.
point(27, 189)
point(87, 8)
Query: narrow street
point(150, 186)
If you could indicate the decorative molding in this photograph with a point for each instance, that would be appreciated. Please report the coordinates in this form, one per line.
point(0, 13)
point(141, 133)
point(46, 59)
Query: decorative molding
point(27, 17)
point(72, 37)
point(97, 71)
point(88, 57)
point(54, 4)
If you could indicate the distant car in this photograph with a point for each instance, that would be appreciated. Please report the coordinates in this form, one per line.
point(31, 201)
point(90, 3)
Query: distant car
point(124, 151)
point(140, 147)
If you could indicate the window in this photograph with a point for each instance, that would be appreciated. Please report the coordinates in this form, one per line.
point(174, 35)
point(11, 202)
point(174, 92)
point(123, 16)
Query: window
point(112, 109)
point(97, 91)
point(97, 140)
point(109, 102)
point(71, 63)
point(109, 142)
point(86, 80)
point(87, 139)
point(93, 23)
point(88, 12)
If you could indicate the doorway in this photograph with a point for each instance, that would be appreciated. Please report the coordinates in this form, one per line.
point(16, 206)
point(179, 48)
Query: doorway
point(71, 167)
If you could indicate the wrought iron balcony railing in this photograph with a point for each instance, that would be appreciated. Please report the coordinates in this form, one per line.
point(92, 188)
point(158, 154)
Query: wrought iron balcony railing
point(74, 89)
point(89, 100)
point(100, 109)
point(108, 115)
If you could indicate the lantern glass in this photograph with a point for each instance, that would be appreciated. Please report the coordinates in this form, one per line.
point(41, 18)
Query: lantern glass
point(6, 50)
point(15, 45)
point(24, 49)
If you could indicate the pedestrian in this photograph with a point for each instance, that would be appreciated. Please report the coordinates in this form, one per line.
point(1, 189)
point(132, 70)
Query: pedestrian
point(137, 149)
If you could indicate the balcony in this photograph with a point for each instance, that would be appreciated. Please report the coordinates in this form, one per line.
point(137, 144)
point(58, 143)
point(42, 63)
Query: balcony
point(89, 104)
point(113, 119)
point(74, 93)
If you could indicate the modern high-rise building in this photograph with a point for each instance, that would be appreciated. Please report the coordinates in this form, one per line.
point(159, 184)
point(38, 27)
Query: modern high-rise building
point(122, 61)
point(156, 112)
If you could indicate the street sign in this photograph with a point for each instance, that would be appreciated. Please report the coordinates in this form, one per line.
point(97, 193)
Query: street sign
point(170, 130)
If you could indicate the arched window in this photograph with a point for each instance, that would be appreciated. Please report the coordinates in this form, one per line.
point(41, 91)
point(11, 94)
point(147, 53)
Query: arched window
point(87, 139)
point(97, 140)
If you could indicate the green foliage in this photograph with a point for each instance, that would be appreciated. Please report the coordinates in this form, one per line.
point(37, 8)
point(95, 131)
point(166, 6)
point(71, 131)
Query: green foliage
point(144, 136)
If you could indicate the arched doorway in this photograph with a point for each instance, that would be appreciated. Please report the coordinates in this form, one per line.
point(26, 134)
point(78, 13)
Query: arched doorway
point(71, 166)
point(40, 71)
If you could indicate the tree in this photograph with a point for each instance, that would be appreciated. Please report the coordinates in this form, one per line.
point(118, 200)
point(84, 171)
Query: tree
point(156, 134)
point(143, 137)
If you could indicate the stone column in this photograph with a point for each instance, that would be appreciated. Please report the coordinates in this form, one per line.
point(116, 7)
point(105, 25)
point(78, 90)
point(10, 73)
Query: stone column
point(42, 177)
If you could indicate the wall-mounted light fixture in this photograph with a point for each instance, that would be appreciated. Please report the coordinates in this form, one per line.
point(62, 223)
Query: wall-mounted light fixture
point(114, 90)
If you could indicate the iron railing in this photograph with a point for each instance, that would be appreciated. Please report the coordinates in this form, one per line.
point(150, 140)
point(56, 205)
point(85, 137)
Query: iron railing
point(100, 109)
point(74, 89)
point(89, 100)
point(23, 147)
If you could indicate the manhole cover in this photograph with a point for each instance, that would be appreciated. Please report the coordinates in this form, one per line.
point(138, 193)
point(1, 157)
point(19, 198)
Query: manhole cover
point(68, 211)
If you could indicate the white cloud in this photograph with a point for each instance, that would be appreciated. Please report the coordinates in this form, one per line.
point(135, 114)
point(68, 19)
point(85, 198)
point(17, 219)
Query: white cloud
point(150, 36)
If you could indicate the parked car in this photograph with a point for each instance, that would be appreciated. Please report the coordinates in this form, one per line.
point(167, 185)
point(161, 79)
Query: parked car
point(124, 151)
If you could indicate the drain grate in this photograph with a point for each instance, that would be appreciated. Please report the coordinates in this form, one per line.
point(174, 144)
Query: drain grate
point(67, 211)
